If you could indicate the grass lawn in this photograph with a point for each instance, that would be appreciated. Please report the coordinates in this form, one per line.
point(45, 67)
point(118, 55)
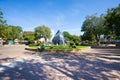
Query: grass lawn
point(32, 46)
point(81, 47)
point(59, 47)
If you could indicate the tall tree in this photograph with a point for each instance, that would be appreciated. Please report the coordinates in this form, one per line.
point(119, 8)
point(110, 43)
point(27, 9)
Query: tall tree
point(17, 32)
point(113, 21)
point(67, 35)
point(88, 35)
point(70, 37)
point(12, 32)
point(29, 35)
point(95, 26)
point(9, 31)
point(75, 38)
point(42, 31)
point(2, 23)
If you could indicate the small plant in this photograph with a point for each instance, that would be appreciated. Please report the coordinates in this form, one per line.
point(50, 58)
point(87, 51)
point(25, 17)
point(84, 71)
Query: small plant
point(72, 44)
point(39, 43)
point(77, 43)
point(51, 47)
point(56, 47)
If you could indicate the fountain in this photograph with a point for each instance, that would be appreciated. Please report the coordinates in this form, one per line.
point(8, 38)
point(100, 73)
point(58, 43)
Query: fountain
point(58, 38)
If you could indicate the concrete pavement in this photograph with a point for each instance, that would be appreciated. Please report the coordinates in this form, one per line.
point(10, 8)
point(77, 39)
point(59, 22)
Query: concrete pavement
point(89, 64)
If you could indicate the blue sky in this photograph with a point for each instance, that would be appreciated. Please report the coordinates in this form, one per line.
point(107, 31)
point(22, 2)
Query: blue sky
point(66, 15)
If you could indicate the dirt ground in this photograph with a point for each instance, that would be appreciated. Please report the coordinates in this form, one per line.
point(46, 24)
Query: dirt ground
point(16, 63)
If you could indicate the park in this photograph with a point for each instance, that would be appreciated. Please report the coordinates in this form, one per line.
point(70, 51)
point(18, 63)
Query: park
point(88, 64)
point(53, 48)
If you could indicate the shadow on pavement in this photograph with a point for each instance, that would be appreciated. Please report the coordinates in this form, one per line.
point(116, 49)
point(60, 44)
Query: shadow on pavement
point(67, 66)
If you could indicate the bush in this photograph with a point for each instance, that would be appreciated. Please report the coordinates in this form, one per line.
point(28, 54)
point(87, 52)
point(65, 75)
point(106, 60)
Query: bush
point(51, 47)
point(72, 44)
point(77, 43)
point(39, 43)
point(58, 47)
point(33, 45)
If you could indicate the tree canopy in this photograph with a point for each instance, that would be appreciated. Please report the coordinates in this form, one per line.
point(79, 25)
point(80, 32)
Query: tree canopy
point(93, 27)
point(2, 22)
point(29, 35)
point(42, 31)
point(113, 21)
point(67, 35)
point(12, 32)
point(9, 31)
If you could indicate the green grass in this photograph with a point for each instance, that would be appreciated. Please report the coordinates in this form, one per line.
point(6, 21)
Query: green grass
point(81, 47)
point(33, 46)
point(59, 47)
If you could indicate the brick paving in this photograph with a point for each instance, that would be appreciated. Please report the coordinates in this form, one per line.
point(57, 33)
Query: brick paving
point(89, 64)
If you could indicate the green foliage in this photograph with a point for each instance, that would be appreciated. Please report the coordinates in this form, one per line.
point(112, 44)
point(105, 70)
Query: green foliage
point(42, 31)
point(88, 35)
point(77, 43)
point(67, 35)
point(72, 44)
point(39, 43)
point(51, 47)
point(2, 22)
point(75, 38)
point(93, 27)
point(9, 31)
point(33, 45)
point(2, 27)
point(29, 35)
point(12, 32)
point(78, 47)
point(58, 47)
point(113, 21)
point(71, 38)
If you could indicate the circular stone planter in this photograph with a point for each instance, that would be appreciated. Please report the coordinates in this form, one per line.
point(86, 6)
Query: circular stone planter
point(54, 50)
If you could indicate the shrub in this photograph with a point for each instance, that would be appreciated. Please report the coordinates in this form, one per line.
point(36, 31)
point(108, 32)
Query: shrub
point(51, 47)
point(39, 43)
point(72, 44)
point(77, 43)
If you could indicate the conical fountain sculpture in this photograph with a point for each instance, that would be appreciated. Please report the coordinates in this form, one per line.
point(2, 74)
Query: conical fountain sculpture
point(58, 38)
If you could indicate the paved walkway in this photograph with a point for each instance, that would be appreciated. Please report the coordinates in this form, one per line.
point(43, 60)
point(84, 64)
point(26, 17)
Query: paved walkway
point(89, 64)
